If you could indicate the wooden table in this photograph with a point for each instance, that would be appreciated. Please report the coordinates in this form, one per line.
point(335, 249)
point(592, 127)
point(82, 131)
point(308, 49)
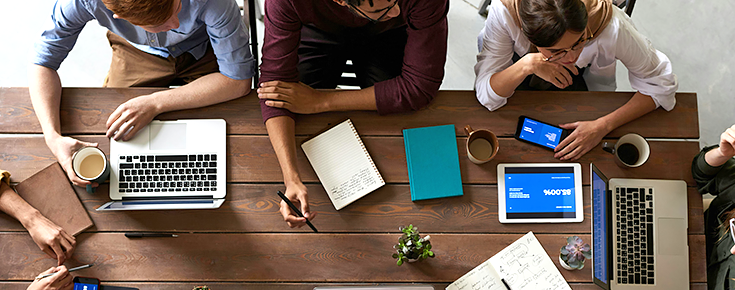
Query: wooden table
point(246, 242)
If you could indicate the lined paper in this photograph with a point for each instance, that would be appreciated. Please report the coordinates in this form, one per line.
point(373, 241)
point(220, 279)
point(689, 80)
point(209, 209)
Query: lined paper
point(342, 164)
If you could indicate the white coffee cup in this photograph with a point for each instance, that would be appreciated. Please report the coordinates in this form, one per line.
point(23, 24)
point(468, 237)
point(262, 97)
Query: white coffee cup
point(90, 163)
point(631, 150)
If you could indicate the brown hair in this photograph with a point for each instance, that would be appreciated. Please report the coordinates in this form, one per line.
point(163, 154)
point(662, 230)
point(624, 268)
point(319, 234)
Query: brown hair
point(724, 227)
point(544, 22)
point(142, 12)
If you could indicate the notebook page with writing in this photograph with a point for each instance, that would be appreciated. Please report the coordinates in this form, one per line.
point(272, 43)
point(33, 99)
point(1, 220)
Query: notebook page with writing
point(526, 265)
point(482, 277)
point(342, 164)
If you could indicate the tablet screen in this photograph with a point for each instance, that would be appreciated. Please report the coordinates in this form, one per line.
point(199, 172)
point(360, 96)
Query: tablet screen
point(539, 192)
point(540, 133)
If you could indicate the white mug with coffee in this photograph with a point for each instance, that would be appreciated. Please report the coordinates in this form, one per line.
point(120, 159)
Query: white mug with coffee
point(631, 150)
point(90, 163)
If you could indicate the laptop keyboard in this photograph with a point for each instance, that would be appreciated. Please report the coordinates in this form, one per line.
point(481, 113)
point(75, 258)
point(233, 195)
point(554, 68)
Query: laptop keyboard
point(634, 221)
point(168, 173)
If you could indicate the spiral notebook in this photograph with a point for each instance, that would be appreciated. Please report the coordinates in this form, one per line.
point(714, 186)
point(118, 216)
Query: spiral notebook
point(342, 163)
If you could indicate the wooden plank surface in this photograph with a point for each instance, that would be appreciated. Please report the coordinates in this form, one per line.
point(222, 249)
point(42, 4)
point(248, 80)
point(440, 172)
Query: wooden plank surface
point(274, 258)
point(85, 111)
point(252, 159)
point(253, 208)
point(282, 286)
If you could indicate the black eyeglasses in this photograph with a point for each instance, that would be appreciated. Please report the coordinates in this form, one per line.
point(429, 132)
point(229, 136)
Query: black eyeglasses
point(562, 53)
point(379, 18)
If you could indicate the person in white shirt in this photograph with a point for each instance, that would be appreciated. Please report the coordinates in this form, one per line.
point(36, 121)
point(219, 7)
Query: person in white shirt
point(553, 38)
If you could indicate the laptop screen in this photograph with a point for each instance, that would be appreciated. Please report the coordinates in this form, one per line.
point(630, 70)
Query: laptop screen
point(599, 228)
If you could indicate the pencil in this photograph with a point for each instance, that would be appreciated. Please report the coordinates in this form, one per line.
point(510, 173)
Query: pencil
point(296, 210)
point(70, 270)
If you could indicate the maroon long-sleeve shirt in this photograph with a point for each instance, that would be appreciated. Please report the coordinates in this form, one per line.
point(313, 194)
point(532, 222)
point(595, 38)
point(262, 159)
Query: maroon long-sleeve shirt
point(424, 54)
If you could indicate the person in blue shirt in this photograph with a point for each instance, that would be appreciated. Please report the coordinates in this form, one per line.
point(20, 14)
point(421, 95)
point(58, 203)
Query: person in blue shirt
point(201, 45)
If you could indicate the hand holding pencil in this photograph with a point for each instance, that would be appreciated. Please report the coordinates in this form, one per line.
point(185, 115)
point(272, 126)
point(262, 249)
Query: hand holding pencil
point(60, 279)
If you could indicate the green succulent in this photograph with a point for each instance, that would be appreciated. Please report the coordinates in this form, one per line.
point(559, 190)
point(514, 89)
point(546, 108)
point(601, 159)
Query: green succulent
point(412, 246)
point(575, 252)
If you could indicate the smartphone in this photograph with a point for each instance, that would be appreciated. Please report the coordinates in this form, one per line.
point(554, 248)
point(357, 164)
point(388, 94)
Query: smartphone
point(539, 133)
point(85, 283)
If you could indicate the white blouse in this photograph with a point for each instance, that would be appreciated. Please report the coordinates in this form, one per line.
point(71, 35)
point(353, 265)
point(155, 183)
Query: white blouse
point(649, 70)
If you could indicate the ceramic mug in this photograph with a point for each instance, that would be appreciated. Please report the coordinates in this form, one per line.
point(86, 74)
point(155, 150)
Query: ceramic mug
point(482, 145)
point(631, 150)
point(91, 164)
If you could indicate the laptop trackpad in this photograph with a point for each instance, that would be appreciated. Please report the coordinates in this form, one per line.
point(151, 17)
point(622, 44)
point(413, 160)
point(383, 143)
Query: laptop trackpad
point(169, 136)
point(669, 235)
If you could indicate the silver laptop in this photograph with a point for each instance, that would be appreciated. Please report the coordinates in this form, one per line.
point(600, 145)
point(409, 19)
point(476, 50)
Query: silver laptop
point(639, 233)
point(170, 165)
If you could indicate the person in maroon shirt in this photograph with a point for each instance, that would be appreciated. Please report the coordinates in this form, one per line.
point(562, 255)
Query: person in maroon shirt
point(398, 48)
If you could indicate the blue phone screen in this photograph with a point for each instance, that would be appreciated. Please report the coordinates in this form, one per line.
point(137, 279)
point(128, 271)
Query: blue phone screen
point(540, 133)
point(82, 286)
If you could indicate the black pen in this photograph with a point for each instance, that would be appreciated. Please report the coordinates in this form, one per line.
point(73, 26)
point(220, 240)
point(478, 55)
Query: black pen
point(150, 235)
point(505, 283)
point(296, 210)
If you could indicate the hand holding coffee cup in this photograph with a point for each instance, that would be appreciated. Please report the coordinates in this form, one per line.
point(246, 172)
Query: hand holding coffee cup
point(91, 164)
point(631, 150)
point(481, 146)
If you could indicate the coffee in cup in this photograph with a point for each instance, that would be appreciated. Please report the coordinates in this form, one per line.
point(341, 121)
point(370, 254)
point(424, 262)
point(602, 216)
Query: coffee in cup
point(90, 163)
point(481, 146)
point(631, 150)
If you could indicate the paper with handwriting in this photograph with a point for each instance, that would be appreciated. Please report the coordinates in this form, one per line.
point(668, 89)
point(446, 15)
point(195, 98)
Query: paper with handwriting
point(524, 265)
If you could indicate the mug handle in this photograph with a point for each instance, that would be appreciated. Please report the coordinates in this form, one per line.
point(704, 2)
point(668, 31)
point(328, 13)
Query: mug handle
point(608, 147)
point(468, 130)
point(90, 189)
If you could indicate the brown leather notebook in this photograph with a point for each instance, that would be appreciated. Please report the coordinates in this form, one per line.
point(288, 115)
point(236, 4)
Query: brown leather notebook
point(50, 192)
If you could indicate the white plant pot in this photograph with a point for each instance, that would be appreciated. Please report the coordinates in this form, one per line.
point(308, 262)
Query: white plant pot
point(565, 265)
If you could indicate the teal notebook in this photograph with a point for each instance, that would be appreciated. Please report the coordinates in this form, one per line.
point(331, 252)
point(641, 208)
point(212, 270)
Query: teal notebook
point(433, 162)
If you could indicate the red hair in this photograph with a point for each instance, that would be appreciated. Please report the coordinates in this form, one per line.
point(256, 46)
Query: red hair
point(142, 12)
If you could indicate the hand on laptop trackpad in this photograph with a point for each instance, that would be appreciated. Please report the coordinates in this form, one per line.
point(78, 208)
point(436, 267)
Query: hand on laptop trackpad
point(167, 136)
point(668, 234)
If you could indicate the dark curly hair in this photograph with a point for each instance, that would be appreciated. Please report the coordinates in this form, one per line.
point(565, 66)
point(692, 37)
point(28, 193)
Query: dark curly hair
point(544, 22)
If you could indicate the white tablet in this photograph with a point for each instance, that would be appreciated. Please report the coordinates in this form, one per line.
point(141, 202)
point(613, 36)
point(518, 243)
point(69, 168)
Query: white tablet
point(540, 193)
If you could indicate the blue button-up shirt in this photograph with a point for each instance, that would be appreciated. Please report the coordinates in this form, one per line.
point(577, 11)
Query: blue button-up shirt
point(200, 21)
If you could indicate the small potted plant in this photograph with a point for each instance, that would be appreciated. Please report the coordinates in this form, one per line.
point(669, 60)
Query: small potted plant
point(411, 247)
point(574, 253)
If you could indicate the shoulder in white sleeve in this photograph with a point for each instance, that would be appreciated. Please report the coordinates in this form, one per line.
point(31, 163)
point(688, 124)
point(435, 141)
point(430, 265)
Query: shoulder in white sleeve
point(649, 70)
point(496, 46)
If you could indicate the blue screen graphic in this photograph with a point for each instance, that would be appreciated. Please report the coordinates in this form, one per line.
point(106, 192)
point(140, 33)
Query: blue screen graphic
point(535, 192)
point(599, 228)
point(540, 133)
point(80, 286)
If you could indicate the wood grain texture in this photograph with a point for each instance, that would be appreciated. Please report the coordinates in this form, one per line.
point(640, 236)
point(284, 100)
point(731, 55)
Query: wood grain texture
point(85, 111)
point(275, 258)
point(252, 159)
point(254, 209)
point(280, 286)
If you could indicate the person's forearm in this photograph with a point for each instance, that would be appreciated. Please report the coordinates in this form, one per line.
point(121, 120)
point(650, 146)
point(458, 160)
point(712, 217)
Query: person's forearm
point(636, 107)
point(505, 82)
point(44, 87)
point(715, 158)
point(13, 205)
point(350, 100)
point(210, 89)
point(281, 131)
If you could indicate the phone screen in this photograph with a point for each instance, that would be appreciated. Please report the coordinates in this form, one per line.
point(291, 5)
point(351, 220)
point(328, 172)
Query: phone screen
point(83, 286)
point(540, 133)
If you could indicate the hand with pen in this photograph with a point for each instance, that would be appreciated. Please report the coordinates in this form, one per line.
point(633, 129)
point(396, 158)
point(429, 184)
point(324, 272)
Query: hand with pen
point(298, 196)
point(62, 280)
